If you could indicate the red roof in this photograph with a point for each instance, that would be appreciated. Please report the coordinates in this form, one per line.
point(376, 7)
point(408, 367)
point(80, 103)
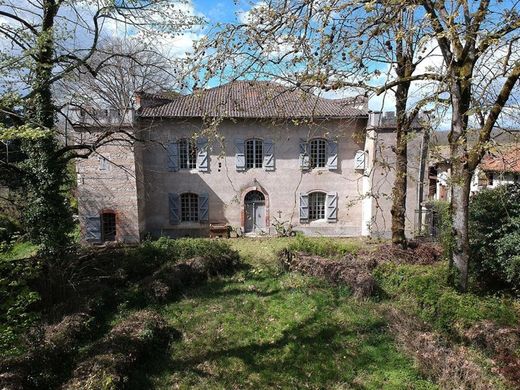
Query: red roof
point(507, 160)
point(257, 99)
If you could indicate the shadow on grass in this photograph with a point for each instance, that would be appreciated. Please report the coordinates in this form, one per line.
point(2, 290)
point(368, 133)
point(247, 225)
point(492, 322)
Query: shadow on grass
point(315, 351)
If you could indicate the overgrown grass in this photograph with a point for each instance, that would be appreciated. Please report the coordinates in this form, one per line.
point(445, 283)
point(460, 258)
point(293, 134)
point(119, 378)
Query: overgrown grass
point(424, 291)
point(263, 328)
point(326, 247)
point(19, 250)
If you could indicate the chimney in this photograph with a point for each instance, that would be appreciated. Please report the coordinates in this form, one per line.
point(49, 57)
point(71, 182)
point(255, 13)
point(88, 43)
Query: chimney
point(374, 118)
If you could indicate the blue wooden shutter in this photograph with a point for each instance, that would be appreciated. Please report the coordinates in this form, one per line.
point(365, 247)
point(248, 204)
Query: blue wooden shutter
point(174, 201)
point(202, 155)
point(268, 155)
point(332, 206)
point(332, 155)
point(305, 162)
point(93, 228)
point(240, 157)
point(173, 156)
point(203, 207)
point(304, 207)
point(359, 160)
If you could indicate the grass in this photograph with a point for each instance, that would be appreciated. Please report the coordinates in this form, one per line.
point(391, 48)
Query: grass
point(263, 328)
point(19, 250)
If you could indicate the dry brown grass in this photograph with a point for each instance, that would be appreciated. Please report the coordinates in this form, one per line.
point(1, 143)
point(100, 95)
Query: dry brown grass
point(451, 366)
point(113, 358)
point(355, 275)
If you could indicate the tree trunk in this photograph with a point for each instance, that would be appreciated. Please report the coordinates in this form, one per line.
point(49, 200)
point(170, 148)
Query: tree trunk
point(460, 172)
point(398, 210)
point(47, 215)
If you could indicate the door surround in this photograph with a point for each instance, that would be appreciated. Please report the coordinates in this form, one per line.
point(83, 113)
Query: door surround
point(243, 207)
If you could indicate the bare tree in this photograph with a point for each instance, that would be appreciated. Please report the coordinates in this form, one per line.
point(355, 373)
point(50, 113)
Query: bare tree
point(471, 37)
point(127, 66)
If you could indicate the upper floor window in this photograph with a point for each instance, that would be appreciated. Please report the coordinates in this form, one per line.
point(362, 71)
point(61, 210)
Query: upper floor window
point(189, 207)
point(187, 154)
point(317, 205)
point(254, 153)
point(318, 152)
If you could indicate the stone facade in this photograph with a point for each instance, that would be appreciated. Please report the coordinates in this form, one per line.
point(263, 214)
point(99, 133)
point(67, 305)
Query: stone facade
point(150, 193)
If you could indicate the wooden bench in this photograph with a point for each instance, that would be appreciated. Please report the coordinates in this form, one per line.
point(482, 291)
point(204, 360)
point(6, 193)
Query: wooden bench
point(220, 230)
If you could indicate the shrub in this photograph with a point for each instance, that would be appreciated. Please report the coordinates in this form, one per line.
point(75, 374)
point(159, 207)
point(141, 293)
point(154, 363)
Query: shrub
point(17, 301)
point(495, 237)
point(325, 247)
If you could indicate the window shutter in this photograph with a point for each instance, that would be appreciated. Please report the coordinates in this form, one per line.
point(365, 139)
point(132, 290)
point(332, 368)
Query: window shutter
point(305, 162)
point(268, 155)
point(332, 155)
point(173, 156)
point(203, 207)
point(202, 155)
point(174, 207)
point(332, 206)
point(93, 228)
point(359, 160)
point(240, 158)
point(304, 207)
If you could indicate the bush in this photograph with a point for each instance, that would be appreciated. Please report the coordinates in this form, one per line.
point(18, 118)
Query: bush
point(325, 247)
point(17, 303)
point(495, 237)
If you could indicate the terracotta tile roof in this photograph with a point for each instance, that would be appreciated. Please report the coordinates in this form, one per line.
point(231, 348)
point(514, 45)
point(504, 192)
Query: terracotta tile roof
point(257, 99)
point(505, 159)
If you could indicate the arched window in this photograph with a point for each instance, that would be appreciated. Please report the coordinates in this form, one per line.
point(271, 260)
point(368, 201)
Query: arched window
point(187, 154)
point(189, 207)
point(254, 153)
point(318, 152)
point(317, 205)
point(108, 226)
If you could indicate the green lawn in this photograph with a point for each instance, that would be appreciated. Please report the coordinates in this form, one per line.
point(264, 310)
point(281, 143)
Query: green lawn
point(263, 328)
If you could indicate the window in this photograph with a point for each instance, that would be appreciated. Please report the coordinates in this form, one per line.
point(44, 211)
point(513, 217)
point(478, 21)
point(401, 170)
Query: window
point(189, 207)
point(254, 153)
point(108, 226)
point(187, 154)
point(104, 164)
point(317, 205)
point(318, 152)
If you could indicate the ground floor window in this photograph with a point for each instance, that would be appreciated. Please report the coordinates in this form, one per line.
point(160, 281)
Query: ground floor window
point(108, 225)
point(317, 205)
point(189, 207)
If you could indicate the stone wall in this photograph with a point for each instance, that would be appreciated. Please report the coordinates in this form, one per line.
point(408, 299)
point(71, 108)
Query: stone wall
point(107, 183)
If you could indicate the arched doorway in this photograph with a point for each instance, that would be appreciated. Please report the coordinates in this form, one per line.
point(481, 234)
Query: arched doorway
point(254, 208)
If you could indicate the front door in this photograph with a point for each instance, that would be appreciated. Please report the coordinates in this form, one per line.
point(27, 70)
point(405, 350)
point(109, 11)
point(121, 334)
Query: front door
point(255, 212)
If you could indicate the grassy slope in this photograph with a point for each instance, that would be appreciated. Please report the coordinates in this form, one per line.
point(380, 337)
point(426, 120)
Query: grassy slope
point(266, 329)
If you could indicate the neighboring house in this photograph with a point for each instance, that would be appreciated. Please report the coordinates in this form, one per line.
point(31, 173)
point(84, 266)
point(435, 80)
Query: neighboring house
point(499, 166)
point(245, 154)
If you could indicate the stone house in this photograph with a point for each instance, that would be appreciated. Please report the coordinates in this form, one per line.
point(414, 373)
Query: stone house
point(247, 155)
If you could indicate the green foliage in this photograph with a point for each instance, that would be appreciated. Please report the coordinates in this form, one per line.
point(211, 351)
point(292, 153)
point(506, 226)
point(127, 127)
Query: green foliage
point(425, 290)
point(326, 247)
point(494, 237)
point(19, 250)
point(17, 303)
point(47, 217)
